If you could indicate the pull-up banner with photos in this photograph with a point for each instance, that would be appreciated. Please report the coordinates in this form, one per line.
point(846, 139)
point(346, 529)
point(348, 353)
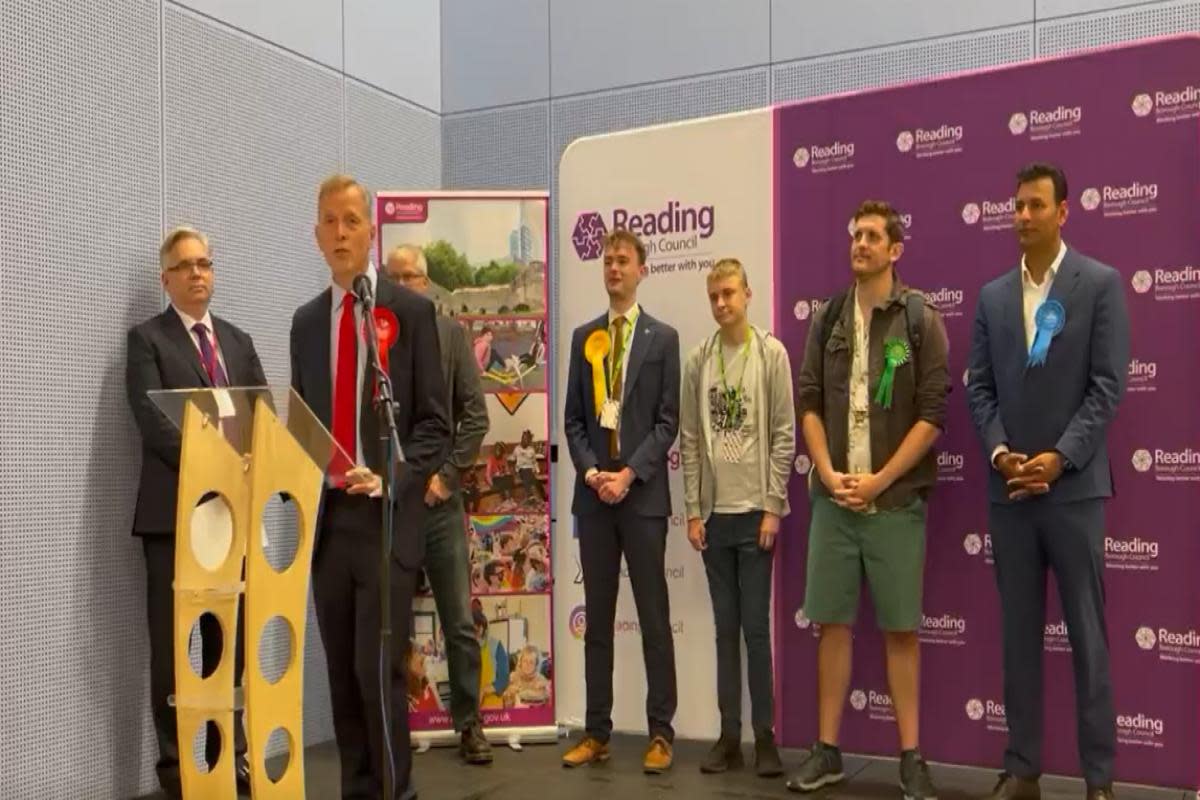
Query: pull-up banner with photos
point(487, 267)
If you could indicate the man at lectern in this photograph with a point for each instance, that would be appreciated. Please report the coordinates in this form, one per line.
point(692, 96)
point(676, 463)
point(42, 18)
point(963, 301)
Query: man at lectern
point(331, 372)
point(184, 347)
point(1047, 368)
point(621, 417)
point(447, 562)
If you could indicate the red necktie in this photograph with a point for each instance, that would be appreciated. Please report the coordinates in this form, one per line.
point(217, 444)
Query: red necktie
point(345, 393)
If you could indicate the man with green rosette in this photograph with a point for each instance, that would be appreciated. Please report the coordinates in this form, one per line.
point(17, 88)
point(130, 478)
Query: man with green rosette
point(1047, 368)
point(872, 401)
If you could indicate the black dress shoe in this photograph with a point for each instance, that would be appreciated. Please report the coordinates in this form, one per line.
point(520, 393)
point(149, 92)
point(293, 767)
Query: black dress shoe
point(726, 754)
point(474, 747)
point(1010, 787)
point(1100, 793)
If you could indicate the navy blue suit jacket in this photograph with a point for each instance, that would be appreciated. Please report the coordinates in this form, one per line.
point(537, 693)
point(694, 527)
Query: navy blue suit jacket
point(649, 417)
point(1066, 404)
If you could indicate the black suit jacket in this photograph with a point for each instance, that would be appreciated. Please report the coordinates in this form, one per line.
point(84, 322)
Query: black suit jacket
point(414, 363)
point(649, 417)
point(161, 355)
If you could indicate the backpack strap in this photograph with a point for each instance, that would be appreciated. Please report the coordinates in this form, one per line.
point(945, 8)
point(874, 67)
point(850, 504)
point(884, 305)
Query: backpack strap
point(914, 314)
point(833, 310)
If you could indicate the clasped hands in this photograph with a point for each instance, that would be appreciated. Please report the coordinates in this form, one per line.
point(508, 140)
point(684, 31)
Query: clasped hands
point(854, 491)
point(1025, 476)
point(611, 486)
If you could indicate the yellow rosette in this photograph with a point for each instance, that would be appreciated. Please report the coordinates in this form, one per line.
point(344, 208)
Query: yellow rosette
point(595, 349)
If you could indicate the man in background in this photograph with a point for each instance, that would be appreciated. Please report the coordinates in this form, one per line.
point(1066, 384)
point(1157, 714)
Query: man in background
point(447, 563)
point(184, 347)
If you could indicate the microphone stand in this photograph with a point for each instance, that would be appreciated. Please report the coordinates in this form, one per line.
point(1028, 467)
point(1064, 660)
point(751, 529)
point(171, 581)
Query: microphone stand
point(389, 444)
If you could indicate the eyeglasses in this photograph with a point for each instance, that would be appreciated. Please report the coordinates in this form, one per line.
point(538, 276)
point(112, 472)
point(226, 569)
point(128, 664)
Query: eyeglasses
point(187, 265)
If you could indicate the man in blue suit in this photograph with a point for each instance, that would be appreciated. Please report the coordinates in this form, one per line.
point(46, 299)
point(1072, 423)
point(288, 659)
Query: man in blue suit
point(622, 496)
point(1049, 354)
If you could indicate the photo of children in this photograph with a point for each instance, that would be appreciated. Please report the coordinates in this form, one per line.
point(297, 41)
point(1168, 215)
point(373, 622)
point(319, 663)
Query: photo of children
point(516, 666)
point(425, 661)
point(509, 554)
point(511, 475)
point(511, 354)
point(514, 640)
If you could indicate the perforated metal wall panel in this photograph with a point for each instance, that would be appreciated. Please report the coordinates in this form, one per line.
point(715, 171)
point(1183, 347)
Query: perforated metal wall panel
point(391, 144)
point(889, 65)
point(1111, 27)
point(506, 148)
point(249, 133)
point(79, 217)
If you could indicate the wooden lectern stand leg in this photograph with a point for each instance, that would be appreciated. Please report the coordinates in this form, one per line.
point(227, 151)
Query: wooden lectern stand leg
point(207, 464)
point(278, 465)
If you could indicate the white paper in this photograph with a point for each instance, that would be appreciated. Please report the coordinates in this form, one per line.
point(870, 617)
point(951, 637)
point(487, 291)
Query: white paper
point(224, 400)
point(610, 412)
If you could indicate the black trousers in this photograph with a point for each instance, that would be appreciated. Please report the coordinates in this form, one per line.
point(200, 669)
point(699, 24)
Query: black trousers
point(159, 550)
point(347, 594)
point(1028, 538)
point(603, 539)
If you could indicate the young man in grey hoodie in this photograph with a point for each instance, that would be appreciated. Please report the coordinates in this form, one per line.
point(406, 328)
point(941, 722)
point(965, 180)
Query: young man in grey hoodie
point(737, 439)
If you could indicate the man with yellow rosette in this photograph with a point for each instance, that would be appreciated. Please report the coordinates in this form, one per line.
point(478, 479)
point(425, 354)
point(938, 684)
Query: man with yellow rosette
point(872, 400)
point(621, 417)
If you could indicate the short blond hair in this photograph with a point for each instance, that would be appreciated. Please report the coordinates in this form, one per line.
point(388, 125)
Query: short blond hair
point(340, 182)
point(728, 268)
point(174, 237)
point(413, 252)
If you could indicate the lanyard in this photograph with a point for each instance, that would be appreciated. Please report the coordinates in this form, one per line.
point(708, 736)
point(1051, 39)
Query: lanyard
point(745, 353)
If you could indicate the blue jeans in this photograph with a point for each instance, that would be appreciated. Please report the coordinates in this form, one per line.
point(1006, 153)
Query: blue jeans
point(448, 569)
point(739, 580)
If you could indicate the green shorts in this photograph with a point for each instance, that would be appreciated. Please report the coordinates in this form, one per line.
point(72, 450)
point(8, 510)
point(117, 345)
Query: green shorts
point(890, 545)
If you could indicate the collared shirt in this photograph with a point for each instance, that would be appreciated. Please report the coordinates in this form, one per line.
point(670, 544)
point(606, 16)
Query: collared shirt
point(1034, 295)
point(858, 441)
point(335, 320)
point(206, 321)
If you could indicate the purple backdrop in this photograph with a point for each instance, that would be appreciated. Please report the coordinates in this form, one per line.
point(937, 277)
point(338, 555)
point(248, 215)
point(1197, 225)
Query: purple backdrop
point(1123, 125)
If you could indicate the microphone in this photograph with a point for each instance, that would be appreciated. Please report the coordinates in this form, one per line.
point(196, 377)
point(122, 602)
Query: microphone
point(362, 290)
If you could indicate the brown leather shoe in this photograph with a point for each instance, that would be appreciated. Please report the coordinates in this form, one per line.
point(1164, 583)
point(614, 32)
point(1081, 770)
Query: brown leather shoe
point(590, 750)
point(659, 757)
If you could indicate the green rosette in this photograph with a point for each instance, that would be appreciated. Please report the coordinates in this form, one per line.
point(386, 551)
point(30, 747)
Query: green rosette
point(895, 353)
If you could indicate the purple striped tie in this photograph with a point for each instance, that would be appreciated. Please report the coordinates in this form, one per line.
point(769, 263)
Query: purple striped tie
point(212, 364)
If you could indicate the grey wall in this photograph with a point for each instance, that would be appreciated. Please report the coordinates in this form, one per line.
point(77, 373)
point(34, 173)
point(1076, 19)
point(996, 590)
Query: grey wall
point(117, 121)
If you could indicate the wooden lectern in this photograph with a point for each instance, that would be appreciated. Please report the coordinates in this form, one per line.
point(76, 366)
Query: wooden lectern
point(240, 448)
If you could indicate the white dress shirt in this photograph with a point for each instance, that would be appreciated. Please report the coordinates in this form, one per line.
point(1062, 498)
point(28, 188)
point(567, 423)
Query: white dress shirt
point(1033, 295)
